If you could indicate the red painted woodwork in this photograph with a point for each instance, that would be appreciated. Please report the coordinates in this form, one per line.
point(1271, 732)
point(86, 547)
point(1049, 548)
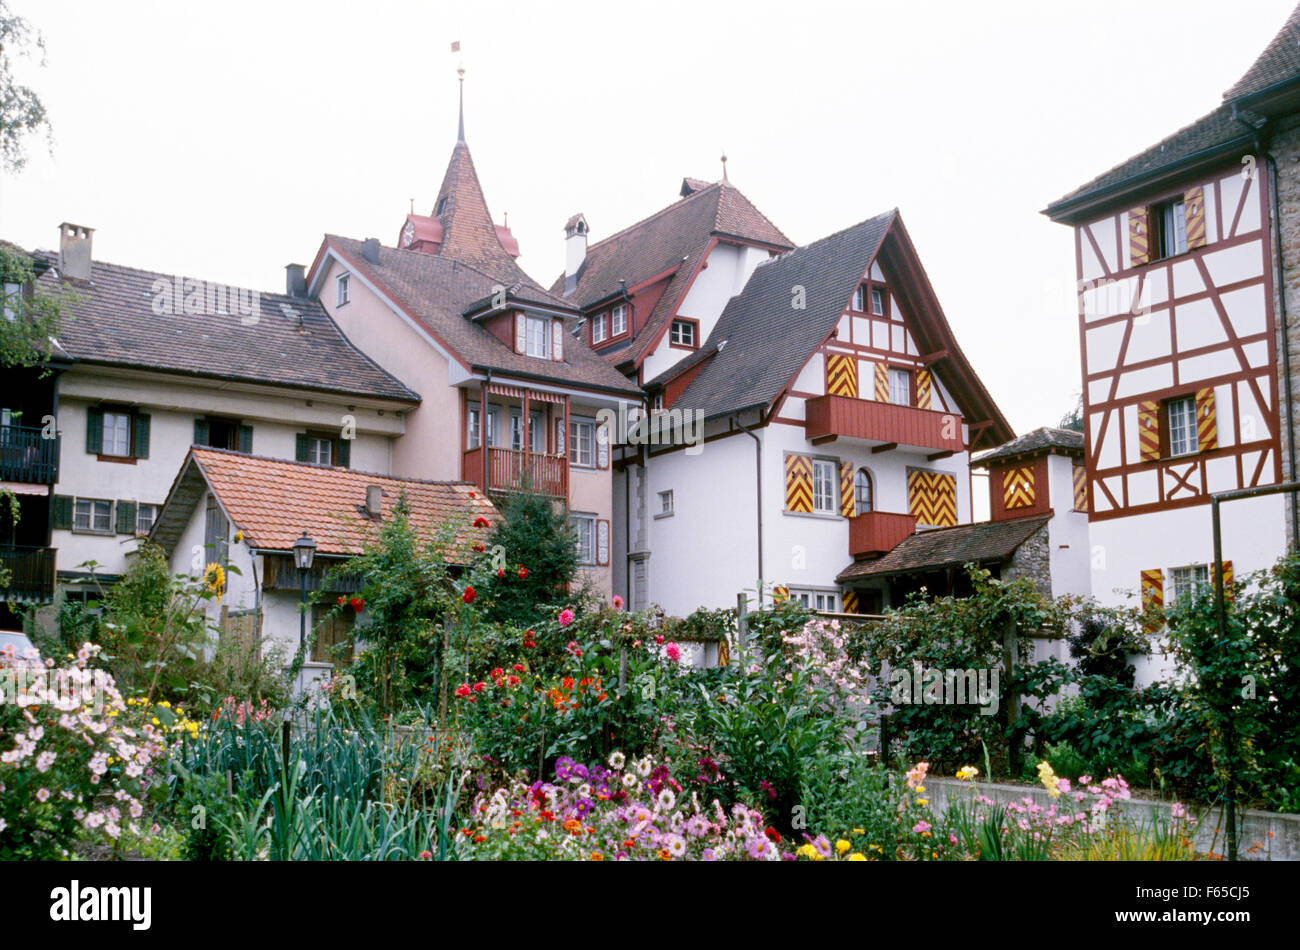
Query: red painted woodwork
point(513, 470)
point(882, 422)
point(878, 531)
point(997, 498)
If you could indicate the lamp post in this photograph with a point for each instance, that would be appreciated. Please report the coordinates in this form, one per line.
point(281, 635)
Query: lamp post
point(304, 552)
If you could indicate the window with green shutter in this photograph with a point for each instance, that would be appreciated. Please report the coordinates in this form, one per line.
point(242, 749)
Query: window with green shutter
point(94, 430)
point(63, 512)
point(343, 455)
point(302, 446)
point(246, 439)
point(126, 517)
point(200, 431)
point(140, 449)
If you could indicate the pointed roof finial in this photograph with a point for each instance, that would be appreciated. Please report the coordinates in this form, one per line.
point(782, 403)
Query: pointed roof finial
point(460, 73)
point(724, 165)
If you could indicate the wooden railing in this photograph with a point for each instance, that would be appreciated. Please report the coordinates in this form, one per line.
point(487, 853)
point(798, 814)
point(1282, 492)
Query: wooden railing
point(878, 531)
point(25, 456)
point(514, 470)
point(29, 572)
point(882, 422)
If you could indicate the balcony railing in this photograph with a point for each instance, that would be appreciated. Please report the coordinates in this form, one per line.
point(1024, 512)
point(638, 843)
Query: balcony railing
point(882, 422)
point(27, 457)
point(514, 470)
point(878, 531)
point(29, 572)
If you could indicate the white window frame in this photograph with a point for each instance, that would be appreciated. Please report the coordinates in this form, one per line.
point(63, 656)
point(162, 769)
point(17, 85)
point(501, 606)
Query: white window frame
point(1180, 413)
point(94, 507)
point(877, 301)
point(583, 527)
point(318, 446)
point(665, 503)
point(900, 377)
point(825, 484)
point(12, 292)
point(684, 338)
point(582, 443)
point(143, 525)
point(472, 424)
point(618, 320)
point(1187, 581)
point(537, 334)
point(598, 328)
point(343, 287)
point(1173, 223)
point(860, 299)
point(858, 508)
point(825, 601)
point(121, 431)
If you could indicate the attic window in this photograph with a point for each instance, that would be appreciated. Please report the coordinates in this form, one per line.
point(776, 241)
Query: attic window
point(539, 337)
point(877, 301)
point(344, 292)
point(442, 205)
point(598, 328)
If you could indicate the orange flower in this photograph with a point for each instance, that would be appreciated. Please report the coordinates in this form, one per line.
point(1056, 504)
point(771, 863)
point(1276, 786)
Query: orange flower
point(597, 856)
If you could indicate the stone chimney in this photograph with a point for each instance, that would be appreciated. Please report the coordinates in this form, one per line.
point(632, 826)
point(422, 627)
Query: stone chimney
point(374, 502)
point(295, 280)
point(370, 250)
point(74, 250)
point(575, 250)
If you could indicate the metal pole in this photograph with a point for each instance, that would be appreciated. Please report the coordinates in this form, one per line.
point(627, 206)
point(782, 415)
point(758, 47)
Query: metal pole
point(302, 610)
point(1221, 622)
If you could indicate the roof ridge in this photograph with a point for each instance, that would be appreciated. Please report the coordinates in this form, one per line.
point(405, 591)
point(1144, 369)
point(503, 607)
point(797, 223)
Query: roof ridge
point(679, 203)
point(332, 468)
point(822, 240)
point(726, 184)
point(97, 262)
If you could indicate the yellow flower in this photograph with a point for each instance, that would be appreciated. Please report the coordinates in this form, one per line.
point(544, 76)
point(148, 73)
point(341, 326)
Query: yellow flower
point(807, 851)
point(841, 846)
point(239, 536)
point(856, 857)
point(155, 721)
point(214, 578)
point(920, 788)
point(967, 772)
point(859, 831)
point(923, 801)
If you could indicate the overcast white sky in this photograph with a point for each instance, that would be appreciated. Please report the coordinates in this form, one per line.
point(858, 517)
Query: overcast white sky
point(222, 140)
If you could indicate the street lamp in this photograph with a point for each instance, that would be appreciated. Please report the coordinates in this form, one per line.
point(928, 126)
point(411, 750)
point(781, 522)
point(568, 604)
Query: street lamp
point(304, 552)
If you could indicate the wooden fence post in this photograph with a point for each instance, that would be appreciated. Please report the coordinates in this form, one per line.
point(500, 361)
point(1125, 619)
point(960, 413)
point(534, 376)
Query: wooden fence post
point(742, 620)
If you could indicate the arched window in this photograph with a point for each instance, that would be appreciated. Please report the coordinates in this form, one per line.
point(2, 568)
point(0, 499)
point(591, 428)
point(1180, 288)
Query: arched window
point(862, 492)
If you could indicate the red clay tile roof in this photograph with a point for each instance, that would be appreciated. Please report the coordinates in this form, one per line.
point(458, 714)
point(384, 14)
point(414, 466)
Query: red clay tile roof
point(941, 548)
point(1279, 63)
point(273, 501)
point(468, 233)
point(676, 236)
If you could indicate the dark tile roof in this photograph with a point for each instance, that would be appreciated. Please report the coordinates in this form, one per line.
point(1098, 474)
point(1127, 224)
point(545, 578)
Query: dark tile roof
point(1064, 441)
point(676, 236)
point(1279, 63)
point(940, 548)
point(760, 342)
point(111, 321)
point(468, 233)
point(438, 291)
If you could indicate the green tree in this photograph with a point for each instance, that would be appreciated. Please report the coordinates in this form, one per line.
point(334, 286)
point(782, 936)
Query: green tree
point(534, 559)
point(31, 316)
point(21, 111)
point(1073, 420)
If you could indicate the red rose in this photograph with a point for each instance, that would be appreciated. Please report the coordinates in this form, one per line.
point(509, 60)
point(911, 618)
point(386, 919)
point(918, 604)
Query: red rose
point(478, 547)
point(773, 834)
point(523, 573)
point(480, 522)
point(498, 673)
point(357, 604)
point(468, 596)
point(479, 687)
point(512, 680)
point(462, 689)
point(501, 574)
point(518, 667)
point(341, 599)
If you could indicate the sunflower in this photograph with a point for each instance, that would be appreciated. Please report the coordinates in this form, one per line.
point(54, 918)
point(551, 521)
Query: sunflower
point(214, 578)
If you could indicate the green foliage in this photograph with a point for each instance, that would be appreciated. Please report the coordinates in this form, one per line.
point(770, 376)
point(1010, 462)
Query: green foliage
point(27, 339)
point(533, 537)
point(203, 806)
point(21, 110)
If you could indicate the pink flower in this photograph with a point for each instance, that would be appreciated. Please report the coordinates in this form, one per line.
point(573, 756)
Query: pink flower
point(617, 602)
point(673, 652)
point(566, 617)
point(42, 794)
point(921, 827)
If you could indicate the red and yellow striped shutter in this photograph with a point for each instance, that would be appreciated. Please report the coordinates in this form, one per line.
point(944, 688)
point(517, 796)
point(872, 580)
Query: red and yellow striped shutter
point(1080, 474)
point(1149, 429)
point(850, 600)
point(841, 375)
point(1139, 237)
point(923, 389)
point(780, 594)
point(1227, 578)
point(1194, 210)
point(846, 489)
point(882, 382)
point(1018, 487)
point(798, 483)
point(1153, 597)
point(1207, 427)
point(932, 497)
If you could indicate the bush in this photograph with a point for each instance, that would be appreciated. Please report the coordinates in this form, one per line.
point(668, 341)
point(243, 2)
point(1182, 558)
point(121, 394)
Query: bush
point(532, 558)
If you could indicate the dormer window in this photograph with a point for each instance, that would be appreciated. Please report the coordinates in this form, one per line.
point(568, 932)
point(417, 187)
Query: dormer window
point(539, 337)
point(860, 299)
point(598, 326)
point(618, 320)
point(877, 301)
point(344, 291)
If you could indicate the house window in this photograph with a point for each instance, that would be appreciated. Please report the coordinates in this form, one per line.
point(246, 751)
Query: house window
point(862, 491)
point(860, 299)
point(92, 515)
point(825, 482)
point(582, 443)
point(666, 502)
point(333, 627)
point(618, 320)
point(539, 337)
point(1182, 425)
point(344, 291)
point(682, 333)
point(900, 386)
point(11, 300)
point(473, 425)
point(220, 433)
point(1171, 227)
point(584, 536)
point(821, 600)
point(320, 451)
point(117, 435)
point(1189, 580)
point(598, 328)
point(877, 301)
point(145, 516)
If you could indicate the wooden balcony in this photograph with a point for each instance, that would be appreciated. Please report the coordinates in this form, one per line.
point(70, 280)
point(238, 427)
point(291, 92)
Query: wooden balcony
point(878, 531)
point(29, 572)
point(27, 457)
point(514, 470)
point(883, 422)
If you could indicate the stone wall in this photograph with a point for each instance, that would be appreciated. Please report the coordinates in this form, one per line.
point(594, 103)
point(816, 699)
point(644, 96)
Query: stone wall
point(1033, 559)
point(1285, 150)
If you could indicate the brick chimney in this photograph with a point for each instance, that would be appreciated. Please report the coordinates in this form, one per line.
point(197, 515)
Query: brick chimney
point(295, 280)
point(575, 250)
point(374, 502)
point(74, 250)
